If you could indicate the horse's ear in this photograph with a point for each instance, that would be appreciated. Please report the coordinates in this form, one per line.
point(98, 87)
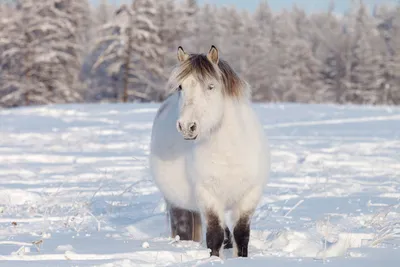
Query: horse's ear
point(213, 55)
point(182, 56)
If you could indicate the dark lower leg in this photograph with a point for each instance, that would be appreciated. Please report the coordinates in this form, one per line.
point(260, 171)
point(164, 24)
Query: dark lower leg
point(181, 223)
point(228, 238)
point(241, 233)
point(215, 233)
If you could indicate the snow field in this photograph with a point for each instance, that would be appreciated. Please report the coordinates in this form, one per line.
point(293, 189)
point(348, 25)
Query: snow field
point(75, 189)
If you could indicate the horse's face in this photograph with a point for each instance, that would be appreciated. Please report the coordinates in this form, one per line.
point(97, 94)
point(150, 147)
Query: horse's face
point(201, 107)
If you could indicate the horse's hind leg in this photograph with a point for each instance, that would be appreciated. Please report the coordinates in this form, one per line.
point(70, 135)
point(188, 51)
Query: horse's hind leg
point(228, 238)
point(197, 228)
point(185, 223)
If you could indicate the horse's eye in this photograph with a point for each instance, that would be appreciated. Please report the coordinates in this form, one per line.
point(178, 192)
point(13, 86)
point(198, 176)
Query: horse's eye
point(211, 86)
point(180, 88)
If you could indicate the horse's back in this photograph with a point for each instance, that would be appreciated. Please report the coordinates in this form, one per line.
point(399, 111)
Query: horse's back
point(167, 156)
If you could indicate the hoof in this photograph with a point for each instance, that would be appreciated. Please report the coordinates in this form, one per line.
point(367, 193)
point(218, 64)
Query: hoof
point(228, 244)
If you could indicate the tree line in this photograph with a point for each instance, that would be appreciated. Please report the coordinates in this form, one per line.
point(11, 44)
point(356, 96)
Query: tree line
point(64, 51)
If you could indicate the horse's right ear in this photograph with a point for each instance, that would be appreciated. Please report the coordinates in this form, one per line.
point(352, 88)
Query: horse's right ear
point(182, 56)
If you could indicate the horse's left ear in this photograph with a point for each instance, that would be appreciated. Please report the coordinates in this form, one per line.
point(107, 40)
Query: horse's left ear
point(213, 55)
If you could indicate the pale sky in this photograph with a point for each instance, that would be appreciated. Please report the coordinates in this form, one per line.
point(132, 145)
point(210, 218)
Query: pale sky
point(276, 5)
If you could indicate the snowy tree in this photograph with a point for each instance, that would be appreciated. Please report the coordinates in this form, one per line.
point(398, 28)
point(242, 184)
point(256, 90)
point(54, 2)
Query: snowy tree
point(277, 79)
point(103, 13)
point(40, 54)
point(327, 42)
point(256, 50)
point(132, 49)
point(14, 50)
point(174, 23)
point(389, 29)
point(209, 29)
point(126, 52)
point(300, 72)
point(362, 76)
point(78, 13)
point(233, 42)
point(191, 9)
point(263, 17)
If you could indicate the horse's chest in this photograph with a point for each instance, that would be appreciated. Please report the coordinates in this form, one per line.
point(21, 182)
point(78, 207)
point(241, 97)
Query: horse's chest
point(223, 171)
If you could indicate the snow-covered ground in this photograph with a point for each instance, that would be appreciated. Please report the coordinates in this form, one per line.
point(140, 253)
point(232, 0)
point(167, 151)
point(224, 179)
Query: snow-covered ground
point(75, 189)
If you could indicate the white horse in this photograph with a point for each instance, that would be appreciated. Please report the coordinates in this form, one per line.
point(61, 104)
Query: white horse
point(209, 153)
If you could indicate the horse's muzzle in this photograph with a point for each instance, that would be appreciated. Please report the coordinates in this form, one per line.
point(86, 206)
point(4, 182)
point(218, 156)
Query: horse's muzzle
point(188, 130)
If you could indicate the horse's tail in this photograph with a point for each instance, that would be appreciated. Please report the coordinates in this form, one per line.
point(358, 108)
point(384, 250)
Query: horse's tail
point(185, 223)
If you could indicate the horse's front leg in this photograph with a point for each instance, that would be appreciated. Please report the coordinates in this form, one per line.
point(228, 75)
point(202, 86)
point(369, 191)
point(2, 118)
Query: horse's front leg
point(241, 216)
point(213, 212)
point(241, 234)
point(215, 232)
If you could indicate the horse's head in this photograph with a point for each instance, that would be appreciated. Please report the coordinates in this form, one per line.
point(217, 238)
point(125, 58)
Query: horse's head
point(205, 83)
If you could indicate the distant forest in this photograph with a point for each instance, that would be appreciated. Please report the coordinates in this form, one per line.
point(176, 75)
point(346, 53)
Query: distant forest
point(64, 51)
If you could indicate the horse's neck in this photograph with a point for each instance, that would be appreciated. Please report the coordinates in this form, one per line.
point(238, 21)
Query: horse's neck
point(235, 113)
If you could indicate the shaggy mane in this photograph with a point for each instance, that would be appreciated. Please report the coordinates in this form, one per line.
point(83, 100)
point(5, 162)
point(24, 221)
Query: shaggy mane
point(199, 66)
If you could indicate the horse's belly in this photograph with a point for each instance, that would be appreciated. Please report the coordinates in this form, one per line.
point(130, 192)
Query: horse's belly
point(167, 158)
point(172, 181)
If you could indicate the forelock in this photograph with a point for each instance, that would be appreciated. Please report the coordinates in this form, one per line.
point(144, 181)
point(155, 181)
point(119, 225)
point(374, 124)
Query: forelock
point(202, 69)
point(199, 66)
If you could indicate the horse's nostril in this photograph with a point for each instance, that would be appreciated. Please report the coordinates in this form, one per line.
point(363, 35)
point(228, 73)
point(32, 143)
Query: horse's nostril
point(193, 127)
point(180, 126)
